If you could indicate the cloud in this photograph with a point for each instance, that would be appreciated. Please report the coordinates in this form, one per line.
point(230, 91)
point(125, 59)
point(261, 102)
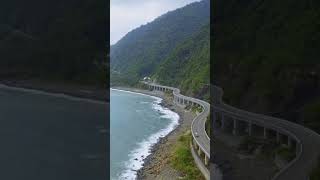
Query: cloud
point(127, 15)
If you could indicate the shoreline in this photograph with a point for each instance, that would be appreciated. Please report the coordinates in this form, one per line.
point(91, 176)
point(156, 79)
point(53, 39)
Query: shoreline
point(154, 139)
point(85, 92)
point(30, 121)
point(164, 104)
point(156, 165)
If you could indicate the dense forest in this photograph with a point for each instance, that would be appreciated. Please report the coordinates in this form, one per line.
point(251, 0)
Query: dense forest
point(57, 40)
point(188, 65)
point(266, 57)
point(173, 49)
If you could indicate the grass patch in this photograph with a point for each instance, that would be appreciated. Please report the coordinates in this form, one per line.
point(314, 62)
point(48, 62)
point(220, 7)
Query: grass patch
point(196, 109)
point(249, 144)
point(286, 153)
point(182, 159)
point(168, 94)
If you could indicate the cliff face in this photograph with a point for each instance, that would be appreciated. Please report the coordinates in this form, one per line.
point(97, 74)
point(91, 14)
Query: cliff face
point(265, 56)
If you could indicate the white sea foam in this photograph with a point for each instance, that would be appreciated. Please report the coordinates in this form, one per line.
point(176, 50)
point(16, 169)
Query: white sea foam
point(137, 156)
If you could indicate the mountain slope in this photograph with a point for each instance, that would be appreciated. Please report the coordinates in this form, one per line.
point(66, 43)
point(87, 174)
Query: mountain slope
point(266, 57)
point(141, 50)
point(59, 40)
point(188, 66)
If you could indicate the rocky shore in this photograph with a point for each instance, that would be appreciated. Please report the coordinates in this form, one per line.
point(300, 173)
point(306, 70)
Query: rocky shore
point(157, 165)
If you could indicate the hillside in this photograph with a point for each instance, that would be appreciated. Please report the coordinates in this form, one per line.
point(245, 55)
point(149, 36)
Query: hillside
point(188, 65)
point(142, 50)
point(266, 57)
point(56, 40)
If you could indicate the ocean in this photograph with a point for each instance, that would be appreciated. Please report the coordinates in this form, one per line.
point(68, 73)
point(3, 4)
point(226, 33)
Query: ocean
point(138, 121)
point(51, 136)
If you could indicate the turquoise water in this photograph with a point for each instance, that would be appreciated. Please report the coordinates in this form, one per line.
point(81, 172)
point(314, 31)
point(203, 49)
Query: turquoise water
point(137, 123)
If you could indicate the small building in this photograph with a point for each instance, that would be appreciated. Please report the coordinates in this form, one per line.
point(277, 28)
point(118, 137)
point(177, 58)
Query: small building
point(147, 79)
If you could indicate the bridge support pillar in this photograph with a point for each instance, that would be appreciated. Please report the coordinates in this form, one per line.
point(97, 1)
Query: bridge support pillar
point(297, 148)
point(235, 127)
point(199, 151)
point(265, 133)
point(278, 137)
point(206, 160)
point(289, 142)
point(250, 128)
point(214, 120)
point(222, 121)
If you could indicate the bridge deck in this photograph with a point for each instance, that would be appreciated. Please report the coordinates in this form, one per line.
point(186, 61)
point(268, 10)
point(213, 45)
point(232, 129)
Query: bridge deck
point(309, 141)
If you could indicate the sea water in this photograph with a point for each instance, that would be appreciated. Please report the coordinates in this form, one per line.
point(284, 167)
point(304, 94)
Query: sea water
point(138, 121)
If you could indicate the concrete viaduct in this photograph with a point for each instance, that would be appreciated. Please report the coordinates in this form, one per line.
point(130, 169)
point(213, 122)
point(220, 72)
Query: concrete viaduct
point(200, 147)
point(305, 141)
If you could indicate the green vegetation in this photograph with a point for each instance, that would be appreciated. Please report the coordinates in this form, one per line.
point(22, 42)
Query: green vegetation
point(173, 49)
point(266, 149)
point(250, 144)
point(54, 40)
point(168, 94)
point(188, 66)
point(285, 153)
point(182, 159)
point(266, 57)
point(196, 109)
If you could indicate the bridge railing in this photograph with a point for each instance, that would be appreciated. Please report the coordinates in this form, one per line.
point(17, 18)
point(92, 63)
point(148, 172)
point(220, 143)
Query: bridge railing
point(202, 116)
point(262, 120)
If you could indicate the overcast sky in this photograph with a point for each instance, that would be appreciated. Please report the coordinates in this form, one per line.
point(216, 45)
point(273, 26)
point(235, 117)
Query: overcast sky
point(127, 15)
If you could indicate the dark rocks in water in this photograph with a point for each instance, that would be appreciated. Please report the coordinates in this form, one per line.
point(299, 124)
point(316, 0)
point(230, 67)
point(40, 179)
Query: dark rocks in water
point(136, 159)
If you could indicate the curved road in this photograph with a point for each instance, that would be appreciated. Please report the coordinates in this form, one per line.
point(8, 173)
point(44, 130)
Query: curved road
point(308, 141)
point(198, 124)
